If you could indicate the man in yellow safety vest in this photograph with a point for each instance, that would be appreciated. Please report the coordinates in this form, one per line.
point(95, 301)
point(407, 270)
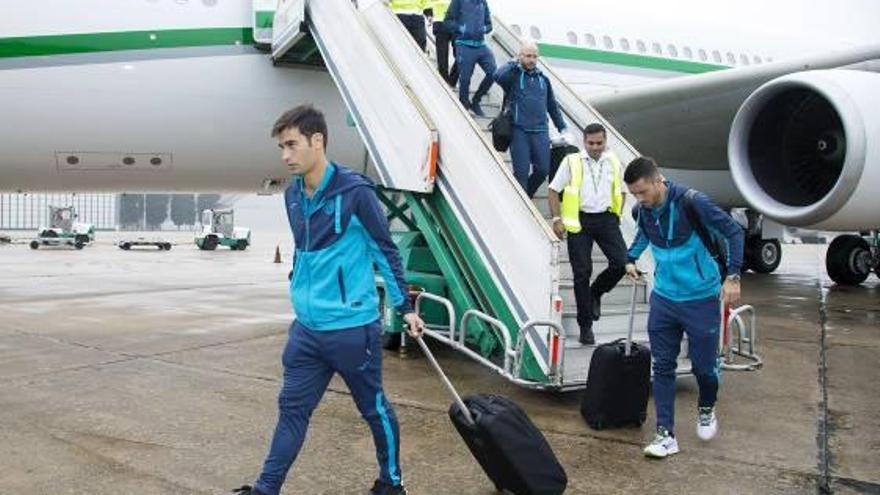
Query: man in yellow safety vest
point(592, 203)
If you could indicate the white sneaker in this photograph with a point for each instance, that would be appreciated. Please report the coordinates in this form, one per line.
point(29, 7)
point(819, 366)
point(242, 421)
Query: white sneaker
point(707, 423)
point(664, 445)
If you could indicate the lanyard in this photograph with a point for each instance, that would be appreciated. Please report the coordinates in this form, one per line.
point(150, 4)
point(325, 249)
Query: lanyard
point(593, 176)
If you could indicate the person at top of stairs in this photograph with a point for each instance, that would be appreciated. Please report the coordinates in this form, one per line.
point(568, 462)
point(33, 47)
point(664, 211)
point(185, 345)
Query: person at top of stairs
point(592, 202)
point(412, 15)
point(530, 98)
point(687, 288)
point(443, 39)
point(470, 21)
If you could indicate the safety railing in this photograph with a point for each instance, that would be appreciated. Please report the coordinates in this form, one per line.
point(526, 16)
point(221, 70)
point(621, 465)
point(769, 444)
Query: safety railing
point(512, 353)
point(555, 347)
point(740, 340)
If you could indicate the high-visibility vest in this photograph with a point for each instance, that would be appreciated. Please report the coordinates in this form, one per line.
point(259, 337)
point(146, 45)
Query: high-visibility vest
point(407, 6)
point(439, 7)
point(571, 194)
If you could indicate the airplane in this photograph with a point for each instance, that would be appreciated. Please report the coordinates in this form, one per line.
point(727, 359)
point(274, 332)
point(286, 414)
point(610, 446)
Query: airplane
point(176, 95)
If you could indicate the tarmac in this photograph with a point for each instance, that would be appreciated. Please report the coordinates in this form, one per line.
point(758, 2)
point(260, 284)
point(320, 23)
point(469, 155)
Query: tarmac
point(156, 372)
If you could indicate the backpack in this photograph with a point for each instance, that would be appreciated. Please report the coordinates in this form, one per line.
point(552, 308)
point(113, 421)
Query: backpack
point(717, 247)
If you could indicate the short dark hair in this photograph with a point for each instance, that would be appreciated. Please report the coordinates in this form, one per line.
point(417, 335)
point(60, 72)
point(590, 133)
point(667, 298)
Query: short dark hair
point(594, 128)
point(643, 167)
point(307, 119)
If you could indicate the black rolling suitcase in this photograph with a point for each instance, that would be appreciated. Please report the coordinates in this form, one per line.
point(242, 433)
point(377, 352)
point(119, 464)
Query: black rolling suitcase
point(618, 382)
point(502, 438)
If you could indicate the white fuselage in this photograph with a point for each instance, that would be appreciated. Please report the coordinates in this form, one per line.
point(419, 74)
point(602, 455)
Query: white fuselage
point(168, 115)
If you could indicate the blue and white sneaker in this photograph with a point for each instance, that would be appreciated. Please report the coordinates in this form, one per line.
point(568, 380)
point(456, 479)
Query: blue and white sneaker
point(707, 423)
point(664, 445)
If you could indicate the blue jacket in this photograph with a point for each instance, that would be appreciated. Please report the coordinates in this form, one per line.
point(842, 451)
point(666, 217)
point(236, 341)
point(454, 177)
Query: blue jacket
point(685, 270)
point(530, 97)
point(469, 20)
point(340, 233)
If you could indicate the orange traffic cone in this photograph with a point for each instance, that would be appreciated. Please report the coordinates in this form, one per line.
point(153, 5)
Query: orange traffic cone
point(277, 254)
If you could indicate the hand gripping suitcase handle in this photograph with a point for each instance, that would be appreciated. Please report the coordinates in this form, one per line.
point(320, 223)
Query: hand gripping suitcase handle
point(457, 398)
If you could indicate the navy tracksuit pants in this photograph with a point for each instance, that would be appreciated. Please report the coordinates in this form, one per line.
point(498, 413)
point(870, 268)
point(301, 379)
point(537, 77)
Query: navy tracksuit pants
point(468, 57)
point(310, 359)
point(530, 154)
point(667, 322)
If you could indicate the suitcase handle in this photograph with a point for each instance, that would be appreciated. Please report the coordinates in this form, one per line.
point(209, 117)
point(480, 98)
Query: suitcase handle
point(632, 314)
point(457, 398)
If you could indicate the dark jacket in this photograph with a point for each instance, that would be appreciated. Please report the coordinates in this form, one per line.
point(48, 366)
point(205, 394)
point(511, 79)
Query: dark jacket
point(530, 97)
point(469, 21)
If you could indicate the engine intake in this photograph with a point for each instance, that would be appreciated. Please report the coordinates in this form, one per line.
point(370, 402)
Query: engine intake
point(803, 149)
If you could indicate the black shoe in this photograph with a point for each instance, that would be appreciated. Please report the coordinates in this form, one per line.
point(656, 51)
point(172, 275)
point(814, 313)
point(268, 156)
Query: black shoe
point(587, 337)
point(247, 490)
point(382, 488)
point(477, 109)
point(597, 308)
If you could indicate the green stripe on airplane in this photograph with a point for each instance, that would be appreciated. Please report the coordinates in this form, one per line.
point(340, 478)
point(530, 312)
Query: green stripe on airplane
point(625, 59)
point(34, 46)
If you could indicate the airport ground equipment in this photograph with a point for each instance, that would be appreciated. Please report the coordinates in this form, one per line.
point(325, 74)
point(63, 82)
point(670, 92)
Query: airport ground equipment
point(126, 244)
point(218, 229)
point(64, 230)
point(479, 254)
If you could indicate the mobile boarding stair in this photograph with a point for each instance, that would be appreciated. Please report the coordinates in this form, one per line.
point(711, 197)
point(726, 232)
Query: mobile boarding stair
point(496, 280)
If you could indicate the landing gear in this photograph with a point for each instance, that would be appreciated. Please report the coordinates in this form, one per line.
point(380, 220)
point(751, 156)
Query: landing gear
point(762, 250)
point(763, 255)
point(850, 259)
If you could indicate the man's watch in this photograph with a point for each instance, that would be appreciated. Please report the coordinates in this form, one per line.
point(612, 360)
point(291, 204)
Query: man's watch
point(733, 277)
point(555, 219)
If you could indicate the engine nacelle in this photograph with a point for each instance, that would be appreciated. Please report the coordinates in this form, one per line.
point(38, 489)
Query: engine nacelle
point(804, 149)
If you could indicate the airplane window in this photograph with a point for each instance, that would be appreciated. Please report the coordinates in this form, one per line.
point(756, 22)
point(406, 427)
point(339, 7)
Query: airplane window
point(731, 58)
point(641, 45)
point(572, 38)
point(536, 33)
point(516, 29)
point(608, 43)
point(590, 39)
point(688, 52)
point(672, 50)
point(744, 59)
point(757, 59)
point(703, 55)
point(624, 43)
point(716, 56)
point(657, 49)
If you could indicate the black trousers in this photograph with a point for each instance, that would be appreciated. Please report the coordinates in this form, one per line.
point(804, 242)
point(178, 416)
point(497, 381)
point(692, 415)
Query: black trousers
point(444, 40)
point(604, 229)
point(415, 24)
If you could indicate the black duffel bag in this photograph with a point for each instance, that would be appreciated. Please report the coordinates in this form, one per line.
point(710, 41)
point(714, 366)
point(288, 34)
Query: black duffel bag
point(502, 127)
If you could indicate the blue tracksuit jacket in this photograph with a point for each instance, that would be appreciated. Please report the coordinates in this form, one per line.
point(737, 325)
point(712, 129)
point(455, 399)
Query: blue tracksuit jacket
point(340, 233)
point(469, 20)
point(685, 270)
point(530, 97)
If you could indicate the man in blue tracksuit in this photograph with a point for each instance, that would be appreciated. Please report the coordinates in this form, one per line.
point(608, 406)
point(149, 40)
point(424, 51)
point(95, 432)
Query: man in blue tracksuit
point(687, 283)
point(340, 232)
point(469, 21)
point(530, 98)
